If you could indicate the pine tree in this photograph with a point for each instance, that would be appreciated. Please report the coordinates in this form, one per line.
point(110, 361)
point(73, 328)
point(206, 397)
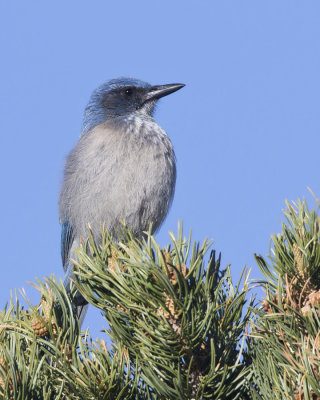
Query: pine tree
point(284, 344)
point(176, 327)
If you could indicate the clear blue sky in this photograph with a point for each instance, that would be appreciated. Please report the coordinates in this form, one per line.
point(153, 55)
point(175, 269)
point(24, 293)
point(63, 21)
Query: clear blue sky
point(246, 128)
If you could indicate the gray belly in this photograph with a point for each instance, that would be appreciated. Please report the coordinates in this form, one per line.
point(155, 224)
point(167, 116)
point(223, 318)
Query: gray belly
point(133, 183)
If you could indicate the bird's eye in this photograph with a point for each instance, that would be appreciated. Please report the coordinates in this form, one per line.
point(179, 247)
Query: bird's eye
point(128, 92)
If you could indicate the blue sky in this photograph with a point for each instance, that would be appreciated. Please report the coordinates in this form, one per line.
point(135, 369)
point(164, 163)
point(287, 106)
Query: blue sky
point(245, 128)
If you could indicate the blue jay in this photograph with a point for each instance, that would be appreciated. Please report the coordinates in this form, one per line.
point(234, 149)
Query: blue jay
point(122, 168)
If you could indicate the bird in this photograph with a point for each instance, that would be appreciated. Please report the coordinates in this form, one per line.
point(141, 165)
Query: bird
point(123, 168)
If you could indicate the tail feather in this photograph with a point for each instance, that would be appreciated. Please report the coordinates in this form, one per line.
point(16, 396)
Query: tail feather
point(79, 303)
point(81, 312)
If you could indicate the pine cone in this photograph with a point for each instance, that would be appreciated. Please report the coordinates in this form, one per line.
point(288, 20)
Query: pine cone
point(298, 258)
point(47, 302)
point(4, 366)
point(113, 262)
point(173, 275)
point(170, 306)
point(316, 343)
point(172, 271)
point(306, 310)
point(167, 256)
point(40, 327)
point(67, 352)
point(314, 298)
point(266, 306)
point(300, 396)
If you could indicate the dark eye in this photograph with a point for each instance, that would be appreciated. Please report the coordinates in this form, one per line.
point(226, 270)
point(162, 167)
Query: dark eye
point(128, 92)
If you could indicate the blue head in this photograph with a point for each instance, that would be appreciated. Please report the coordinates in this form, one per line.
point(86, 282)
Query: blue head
point(122, 97)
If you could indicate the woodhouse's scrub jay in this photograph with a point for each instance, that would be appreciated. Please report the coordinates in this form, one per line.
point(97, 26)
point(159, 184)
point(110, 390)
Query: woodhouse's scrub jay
point(122, 168)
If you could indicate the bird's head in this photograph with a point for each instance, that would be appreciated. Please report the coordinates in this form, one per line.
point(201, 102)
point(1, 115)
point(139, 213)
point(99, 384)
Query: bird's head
point(122, 97)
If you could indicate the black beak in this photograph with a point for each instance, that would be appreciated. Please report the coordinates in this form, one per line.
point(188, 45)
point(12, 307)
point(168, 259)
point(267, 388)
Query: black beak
point(156, 92)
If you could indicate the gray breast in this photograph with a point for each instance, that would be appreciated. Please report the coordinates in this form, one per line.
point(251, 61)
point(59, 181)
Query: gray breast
point(120, 170)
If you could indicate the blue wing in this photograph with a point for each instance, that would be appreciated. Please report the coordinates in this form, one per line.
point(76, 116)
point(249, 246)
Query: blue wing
point(67, 237)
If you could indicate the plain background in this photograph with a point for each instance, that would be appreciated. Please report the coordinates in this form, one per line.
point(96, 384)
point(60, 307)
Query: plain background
point(245, 128)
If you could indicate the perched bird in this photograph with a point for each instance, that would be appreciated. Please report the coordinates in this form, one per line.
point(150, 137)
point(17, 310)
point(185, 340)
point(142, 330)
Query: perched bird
point(122, 168)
